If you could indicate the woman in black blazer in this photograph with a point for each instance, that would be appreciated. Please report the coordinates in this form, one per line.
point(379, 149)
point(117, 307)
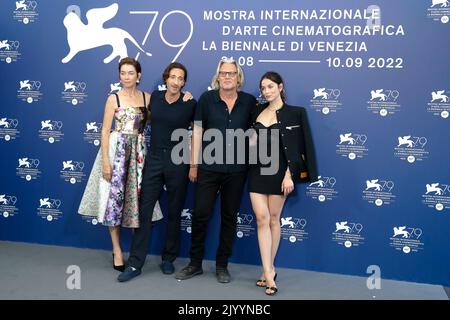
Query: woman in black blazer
point(284, 130)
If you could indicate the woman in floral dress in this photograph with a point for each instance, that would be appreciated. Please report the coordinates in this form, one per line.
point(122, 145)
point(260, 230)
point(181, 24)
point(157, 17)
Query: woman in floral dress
point(113, 188)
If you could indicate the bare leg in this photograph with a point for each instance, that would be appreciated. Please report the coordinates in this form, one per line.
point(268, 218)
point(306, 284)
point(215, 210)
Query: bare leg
point(115, 236)
point(261, 208)
point(276, 203)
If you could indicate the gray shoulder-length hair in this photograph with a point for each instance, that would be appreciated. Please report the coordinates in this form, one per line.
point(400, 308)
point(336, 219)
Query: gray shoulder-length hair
point(240, 73)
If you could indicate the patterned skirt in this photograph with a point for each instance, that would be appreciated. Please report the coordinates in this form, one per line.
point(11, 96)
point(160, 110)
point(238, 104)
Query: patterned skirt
point(117, 202)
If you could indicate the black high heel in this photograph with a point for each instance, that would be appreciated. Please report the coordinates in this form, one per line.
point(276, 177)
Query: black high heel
point(118, 268)
point(273, 291)
point(262, 282)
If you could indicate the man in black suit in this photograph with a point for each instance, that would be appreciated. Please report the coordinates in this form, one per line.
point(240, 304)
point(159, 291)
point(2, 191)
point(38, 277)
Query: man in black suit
point(170, 110)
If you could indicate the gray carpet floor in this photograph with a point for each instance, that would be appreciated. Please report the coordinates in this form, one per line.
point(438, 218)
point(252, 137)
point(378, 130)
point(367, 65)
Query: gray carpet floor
point(33, 271)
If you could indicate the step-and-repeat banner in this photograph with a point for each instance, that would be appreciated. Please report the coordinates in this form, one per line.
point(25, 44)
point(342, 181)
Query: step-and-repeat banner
point(373, 76)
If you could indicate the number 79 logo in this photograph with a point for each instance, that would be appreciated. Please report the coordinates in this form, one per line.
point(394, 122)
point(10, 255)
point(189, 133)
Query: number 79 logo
point(154, 15)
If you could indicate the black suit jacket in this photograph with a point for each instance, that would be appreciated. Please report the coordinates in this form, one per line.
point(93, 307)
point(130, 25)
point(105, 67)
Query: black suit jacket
point(296, 141)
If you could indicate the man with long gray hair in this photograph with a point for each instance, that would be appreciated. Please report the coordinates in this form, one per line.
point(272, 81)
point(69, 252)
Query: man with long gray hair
point(225, 113)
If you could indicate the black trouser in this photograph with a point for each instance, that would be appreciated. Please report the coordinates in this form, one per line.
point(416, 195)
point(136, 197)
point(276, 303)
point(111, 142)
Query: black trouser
point(159, 170)
point(208, 184)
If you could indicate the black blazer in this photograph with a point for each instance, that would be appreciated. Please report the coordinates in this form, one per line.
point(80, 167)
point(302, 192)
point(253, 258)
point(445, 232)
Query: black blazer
point(296, 141)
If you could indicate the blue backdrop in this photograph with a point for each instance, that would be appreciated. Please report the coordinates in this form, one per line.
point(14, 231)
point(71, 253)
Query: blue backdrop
point(374, 78)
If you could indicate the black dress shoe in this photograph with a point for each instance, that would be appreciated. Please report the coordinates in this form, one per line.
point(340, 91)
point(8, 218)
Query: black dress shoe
point(118, 268)
point(128, 274)
point(167, 267)
point(222, 275)
point(188, 272)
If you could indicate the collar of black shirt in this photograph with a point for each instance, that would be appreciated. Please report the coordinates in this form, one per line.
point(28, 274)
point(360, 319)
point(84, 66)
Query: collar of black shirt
point(163, 97)
point(218, 98)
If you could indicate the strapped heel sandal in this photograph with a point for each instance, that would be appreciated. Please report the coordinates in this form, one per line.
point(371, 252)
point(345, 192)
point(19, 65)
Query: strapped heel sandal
point(273, 291)
point(262, 282)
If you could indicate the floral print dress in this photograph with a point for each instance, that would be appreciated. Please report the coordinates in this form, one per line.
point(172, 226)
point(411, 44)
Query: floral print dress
point(117, 202)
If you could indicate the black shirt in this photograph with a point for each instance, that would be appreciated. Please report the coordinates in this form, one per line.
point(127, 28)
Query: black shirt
point(165, 118)
point(212, 113)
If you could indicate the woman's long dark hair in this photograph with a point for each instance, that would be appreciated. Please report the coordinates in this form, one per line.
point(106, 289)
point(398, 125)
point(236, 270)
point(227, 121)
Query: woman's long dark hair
point(275, 77)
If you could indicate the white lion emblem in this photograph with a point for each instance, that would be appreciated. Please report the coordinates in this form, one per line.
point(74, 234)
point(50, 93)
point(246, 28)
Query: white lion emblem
point(21, 5)
point(4, 122)
point(320, 93)
point(91, 126)
point(45, 202)
point(401, 231)
point(287, 222)
point(68, 165)
point(82, 36)
point(5, 44)
point(342, 226)
point(377, 94)
point(46, 124)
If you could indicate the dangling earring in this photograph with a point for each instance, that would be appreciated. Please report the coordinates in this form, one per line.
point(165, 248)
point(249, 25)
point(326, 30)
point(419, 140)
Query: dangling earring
point(137, 81)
